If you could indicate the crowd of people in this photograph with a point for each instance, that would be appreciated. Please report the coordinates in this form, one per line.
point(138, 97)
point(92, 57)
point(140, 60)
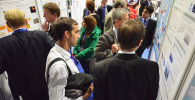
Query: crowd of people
point(108, 46)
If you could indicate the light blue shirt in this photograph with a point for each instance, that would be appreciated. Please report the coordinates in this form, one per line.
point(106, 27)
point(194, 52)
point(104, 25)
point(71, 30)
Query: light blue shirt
point(115, 32)
point(146, 23)
point(149, 3)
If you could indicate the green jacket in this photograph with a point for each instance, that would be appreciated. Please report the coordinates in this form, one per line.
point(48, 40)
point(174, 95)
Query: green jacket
point(89, 45)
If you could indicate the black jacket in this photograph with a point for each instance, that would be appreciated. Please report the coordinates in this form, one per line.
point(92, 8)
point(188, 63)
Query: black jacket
point(23, 56)
point(149, 35)
point(126, 77)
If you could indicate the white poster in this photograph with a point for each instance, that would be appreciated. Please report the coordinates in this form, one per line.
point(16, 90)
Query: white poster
point(27, 6)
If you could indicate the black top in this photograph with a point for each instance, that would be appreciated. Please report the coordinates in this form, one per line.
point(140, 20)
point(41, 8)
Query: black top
point(97, 17)
point(23, 56)
point(126, 77)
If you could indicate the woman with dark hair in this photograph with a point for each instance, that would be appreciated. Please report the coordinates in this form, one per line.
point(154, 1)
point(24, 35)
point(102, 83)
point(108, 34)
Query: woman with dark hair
point(84, 50)
point(90, 5)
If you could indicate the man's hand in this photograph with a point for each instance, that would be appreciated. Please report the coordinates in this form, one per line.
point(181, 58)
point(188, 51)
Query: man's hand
point(102, 4)
point(114, 48)
point(45, 26)
point(89, 91)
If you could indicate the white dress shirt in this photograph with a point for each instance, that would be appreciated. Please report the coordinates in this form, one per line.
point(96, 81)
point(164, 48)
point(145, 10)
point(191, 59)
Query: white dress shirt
point(58, 73)
point(124, 52)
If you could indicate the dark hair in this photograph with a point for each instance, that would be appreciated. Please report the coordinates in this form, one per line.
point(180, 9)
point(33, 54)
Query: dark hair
point(53, 8)
point(90, 22)
point(118, 3)
point(130, 33)
point(61, 25)
point(150, 9)
point(90, 5)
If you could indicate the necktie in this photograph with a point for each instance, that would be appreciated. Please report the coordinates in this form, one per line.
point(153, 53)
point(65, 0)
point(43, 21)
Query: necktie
point(103, 14)
point(145, 23)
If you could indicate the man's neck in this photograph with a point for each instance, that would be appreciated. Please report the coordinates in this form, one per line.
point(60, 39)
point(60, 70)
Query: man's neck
point(24, 26)
point(63, 44)
point(116, 26)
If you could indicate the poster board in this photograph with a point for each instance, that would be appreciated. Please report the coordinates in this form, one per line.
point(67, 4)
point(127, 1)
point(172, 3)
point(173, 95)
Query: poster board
point(177, 48)
point(188, 89)
point(162, 22)
point(29, 7)
point(61, 3)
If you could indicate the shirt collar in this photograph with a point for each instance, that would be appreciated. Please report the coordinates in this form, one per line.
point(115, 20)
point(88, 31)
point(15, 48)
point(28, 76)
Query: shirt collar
point(124, 52)
point(115, 32)
point(62, 51)
point(146, 19)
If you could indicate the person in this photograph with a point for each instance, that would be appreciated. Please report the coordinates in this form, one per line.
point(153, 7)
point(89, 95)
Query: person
point(143, 4)
point(90, 5)
point(107, 44)
point(127, 76)
point(108, 20)
point(23, 56)
point(67, 33)
point(51, 13)
point(150, 26)
point(102, 11)
point(86, 11)
point(84, 50)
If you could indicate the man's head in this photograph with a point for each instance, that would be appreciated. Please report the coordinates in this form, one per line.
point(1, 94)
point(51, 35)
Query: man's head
point(66, 29)
point(90, 5)
point(120, 4)
point(119, 16)
point(15, 18)
point(51, 12)
point(130, 35)
point(104, 2)
point(147, 12)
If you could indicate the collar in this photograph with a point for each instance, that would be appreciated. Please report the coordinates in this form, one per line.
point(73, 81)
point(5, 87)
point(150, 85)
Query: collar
point(146, 19)
point(124, 52)
point(62, 51)
point(19, 30)
point(115, 32)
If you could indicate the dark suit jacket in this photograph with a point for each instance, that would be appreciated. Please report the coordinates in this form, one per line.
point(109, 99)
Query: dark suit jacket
point(103, 48)
point(23, 56)
point(148, 36)
point(126, 77)
point(143, 4)
point(99, 11)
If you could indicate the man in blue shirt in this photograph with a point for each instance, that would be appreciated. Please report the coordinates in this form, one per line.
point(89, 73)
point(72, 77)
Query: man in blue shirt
point(150, 26)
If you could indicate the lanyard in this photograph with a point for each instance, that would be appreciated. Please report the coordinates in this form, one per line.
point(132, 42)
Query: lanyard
point(84, 35)
point(19, 31)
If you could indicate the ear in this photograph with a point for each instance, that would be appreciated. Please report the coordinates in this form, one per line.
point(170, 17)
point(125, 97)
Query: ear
point(140, 42)
point(116, 21)
point(8, 25)
point(26, 22)
point(66, 34)
point(55, 15)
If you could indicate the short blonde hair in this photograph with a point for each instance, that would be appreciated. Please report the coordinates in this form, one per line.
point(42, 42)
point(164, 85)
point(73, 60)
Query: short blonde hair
point(15, 18)
point(53, 8)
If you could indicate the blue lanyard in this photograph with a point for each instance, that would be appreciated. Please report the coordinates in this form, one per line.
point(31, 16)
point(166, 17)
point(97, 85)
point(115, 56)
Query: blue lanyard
point(84, 35)
point(19, 31)
point(87, 13)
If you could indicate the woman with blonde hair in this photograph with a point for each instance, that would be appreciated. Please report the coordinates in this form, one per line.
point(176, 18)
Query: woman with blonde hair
point(84, 50)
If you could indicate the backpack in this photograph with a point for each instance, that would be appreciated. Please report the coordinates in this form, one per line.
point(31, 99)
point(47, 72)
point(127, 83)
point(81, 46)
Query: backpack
point(77, 84)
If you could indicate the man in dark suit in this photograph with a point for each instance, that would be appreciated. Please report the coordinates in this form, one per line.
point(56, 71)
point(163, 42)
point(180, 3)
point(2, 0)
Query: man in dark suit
point(107, 44)
point(143, 4)
point(86, 11)
point(150, 26)
point(127, 76)
point(102, 11)
point(23, 56)
point(51, 13)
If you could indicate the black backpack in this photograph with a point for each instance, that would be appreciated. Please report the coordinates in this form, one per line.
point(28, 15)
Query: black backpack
point(78, 81)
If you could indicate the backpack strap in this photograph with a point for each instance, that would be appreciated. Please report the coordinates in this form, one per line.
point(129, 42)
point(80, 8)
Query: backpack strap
point(55, 60)
point(109, 38)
